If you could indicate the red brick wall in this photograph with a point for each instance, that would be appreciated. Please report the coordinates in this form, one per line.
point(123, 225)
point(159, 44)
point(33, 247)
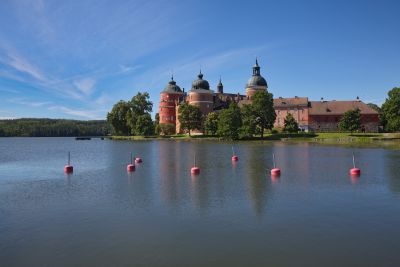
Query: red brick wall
point(167, 107)
point(300, 114)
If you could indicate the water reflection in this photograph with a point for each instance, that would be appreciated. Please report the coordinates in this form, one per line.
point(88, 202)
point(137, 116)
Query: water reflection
point(392, 167)
point(255, 168)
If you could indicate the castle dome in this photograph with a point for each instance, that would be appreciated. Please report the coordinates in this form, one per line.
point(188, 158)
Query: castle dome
point(256, 80)
point(171, 87)
point(200, 83)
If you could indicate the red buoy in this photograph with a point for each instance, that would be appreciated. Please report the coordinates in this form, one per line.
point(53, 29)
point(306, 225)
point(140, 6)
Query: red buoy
point(130, 167)
point(234, 157)
point(355, 171)
point(195, 169)
point(275, 171)
point(138, 160)
point(69, 168)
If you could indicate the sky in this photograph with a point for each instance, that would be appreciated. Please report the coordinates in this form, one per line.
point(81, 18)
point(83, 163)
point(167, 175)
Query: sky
point(75, 59)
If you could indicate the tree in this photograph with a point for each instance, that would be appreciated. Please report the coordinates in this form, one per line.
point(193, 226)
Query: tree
point(249, 124)
point(230, 121)
point(144, 125)
point(391, 110)
point(263, 107)
point(157, 129)
point(190, 117)
point(211, 123)
point(291, 124)
point(167, 128)
point(351, 121)
point(118, 118)
point(139, 105)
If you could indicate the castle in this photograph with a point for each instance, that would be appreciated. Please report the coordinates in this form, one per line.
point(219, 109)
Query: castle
point(318, 116)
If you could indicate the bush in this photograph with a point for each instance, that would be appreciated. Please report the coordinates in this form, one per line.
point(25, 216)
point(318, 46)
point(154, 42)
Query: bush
point(167, 129)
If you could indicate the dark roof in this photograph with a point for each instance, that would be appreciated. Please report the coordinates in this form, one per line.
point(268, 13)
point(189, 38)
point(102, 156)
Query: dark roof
point(171, 87)
point(338, 107)
point(200, 83)
point(284, 102)
point(256, 81)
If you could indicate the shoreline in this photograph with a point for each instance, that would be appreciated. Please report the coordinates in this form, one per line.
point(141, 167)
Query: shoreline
point(317, 138)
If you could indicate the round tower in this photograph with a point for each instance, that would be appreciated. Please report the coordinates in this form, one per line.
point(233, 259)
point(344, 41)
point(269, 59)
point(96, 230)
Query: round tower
point(256, 82)
point(169, 99)
point(200, 95)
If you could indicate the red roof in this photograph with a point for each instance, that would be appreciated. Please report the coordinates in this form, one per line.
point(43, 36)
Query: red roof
point(285, 102)
point(338, 107)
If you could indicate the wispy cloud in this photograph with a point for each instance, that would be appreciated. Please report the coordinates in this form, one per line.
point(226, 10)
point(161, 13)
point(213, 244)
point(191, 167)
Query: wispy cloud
point(86, 85)
point(83, 113)
point(24, 101)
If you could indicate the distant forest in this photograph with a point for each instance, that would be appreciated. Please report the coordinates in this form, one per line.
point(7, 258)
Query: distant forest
point(53, 128)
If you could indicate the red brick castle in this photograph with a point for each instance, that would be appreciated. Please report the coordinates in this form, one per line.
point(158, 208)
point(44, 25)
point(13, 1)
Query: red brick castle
point(319, 116)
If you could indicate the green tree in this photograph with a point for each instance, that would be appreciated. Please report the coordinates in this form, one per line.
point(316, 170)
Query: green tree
point(351, 121)
point(391, 110)
point(291, 124)
point(190, 117)
point(157, 129)
point(249, 124)
point(167, 128)
point(263, 107)
point(118, 117)
point(230, 121)
point(211, 123)
point(144, 125)
point(139, 106)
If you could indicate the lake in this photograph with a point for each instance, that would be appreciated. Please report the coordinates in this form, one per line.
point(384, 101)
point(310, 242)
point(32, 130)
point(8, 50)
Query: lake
point(314, 214)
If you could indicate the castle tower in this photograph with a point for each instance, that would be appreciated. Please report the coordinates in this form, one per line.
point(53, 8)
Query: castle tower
point(220, 87)
point(200, 95)
point(256, 82)
point(169, 99)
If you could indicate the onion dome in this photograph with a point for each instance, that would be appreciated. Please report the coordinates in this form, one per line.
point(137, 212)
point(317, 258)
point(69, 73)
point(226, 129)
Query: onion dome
point(172, 87)
point(256, 80)
point(200, 83)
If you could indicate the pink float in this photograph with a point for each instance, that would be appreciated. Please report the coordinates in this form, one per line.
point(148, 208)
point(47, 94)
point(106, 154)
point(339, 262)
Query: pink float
point(69, 168)
point(138, 160)
point(195, 169)
point(130, 167)
point(234, 157)
point(275, 171)
point(355, 171)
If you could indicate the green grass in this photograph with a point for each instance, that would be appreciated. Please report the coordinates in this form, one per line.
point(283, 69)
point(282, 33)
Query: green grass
point(308, 137)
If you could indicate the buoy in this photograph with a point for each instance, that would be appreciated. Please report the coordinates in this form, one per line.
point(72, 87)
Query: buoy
point(195, 169)
point(130, 167)
point(234, 157)
point(138, 160)
point(69, 168)
point(275, 171)
point(355, 171)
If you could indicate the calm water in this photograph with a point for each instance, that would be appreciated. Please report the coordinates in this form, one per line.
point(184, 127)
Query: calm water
point(229, 215)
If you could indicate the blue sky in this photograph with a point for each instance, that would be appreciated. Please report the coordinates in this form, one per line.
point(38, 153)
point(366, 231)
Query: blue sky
point(75, 59)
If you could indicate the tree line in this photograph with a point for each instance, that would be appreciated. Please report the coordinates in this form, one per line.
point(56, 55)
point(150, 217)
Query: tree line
point(133, 118)
point(53, 128)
